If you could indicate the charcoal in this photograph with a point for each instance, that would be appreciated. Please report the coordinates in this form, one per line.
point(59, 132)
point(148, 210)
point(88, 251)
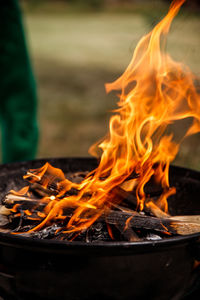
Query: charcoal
point(97, 232)
point(45, 233)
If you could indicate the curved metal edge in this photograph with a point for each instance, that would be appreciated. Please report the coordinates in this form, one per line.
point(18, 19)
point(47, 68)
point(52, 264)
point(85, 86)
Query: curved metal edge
point(117, 248)
point(195, 173)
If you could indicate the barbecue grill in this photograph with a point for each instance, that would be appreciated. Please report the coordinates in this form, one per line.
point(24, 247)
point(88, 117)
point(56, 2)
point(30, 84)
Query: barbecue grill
point(50, 269)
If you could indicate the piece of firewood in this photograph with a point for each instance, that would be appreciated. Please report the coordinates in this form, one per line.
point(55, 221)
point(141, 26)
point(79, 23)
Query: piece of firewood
point(186, 218)
point(14, 199)
point(4, 220)
point(171, 226)
point(128, 196)
point(128, 233)
point(4, 211)
point(4, 230)
point(41, 190)
point(131, 200)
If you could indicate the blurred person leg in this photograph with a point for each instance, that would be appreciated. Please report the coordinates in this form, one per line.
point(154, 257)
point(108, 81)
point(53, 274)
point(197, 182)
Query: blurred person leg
point(18, 99)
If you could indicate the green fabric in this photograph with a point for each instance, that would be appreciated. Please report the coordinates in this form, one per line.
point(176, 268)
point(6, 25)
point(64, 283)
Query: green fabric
point(17, 88)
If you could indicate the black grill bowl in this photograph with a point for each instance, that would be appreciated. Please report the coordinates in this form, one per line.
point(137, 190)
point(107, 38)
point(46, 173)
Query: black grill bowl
point(46, 269)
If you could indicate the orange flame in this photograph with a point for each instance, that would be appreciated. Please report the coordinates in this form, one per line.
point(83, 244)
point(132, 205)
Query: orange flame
point(155, 92)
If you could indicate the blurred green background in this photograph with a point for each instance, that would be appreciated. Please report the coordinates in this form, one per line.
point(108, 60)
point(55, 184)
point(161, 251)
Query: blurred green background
point(77, 46)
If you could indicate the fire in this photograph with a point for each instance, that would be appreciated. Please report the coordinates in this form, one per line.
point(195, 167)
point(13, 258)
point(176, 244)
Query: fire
point(155, 92)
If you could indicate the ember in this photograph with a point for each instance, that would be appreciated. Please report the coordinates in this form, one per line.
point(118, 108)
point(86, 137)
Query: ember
point(125, 197)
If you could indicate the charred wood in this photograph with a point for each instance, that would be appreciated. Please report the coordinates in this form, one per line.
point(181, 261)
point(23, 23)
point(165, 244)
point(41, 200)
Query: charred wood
point(171, 226)
point(128, 233)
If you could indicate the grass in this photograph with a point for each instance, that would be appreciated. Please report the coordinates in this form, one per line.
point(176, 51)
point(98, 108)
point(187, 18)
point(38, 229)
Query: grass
point(74, 54)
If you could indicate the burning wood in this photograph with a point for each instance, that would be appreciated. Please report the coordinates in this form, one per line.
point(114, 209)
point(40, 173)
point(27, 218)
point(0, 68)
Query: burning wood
point(155, 92)
point(170, 225)
point(123, 219)
point(128, 233)
point(11, 199)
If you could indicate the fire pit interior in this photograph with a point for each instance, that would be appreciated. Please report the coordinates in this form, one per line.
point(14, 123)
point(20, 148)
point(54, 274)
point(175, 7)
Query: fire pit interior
point(21, 213)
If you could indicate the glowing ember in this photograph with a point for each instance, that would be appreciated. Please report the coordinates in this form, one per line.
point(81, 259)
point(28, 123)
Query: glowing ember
point(155, 92)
